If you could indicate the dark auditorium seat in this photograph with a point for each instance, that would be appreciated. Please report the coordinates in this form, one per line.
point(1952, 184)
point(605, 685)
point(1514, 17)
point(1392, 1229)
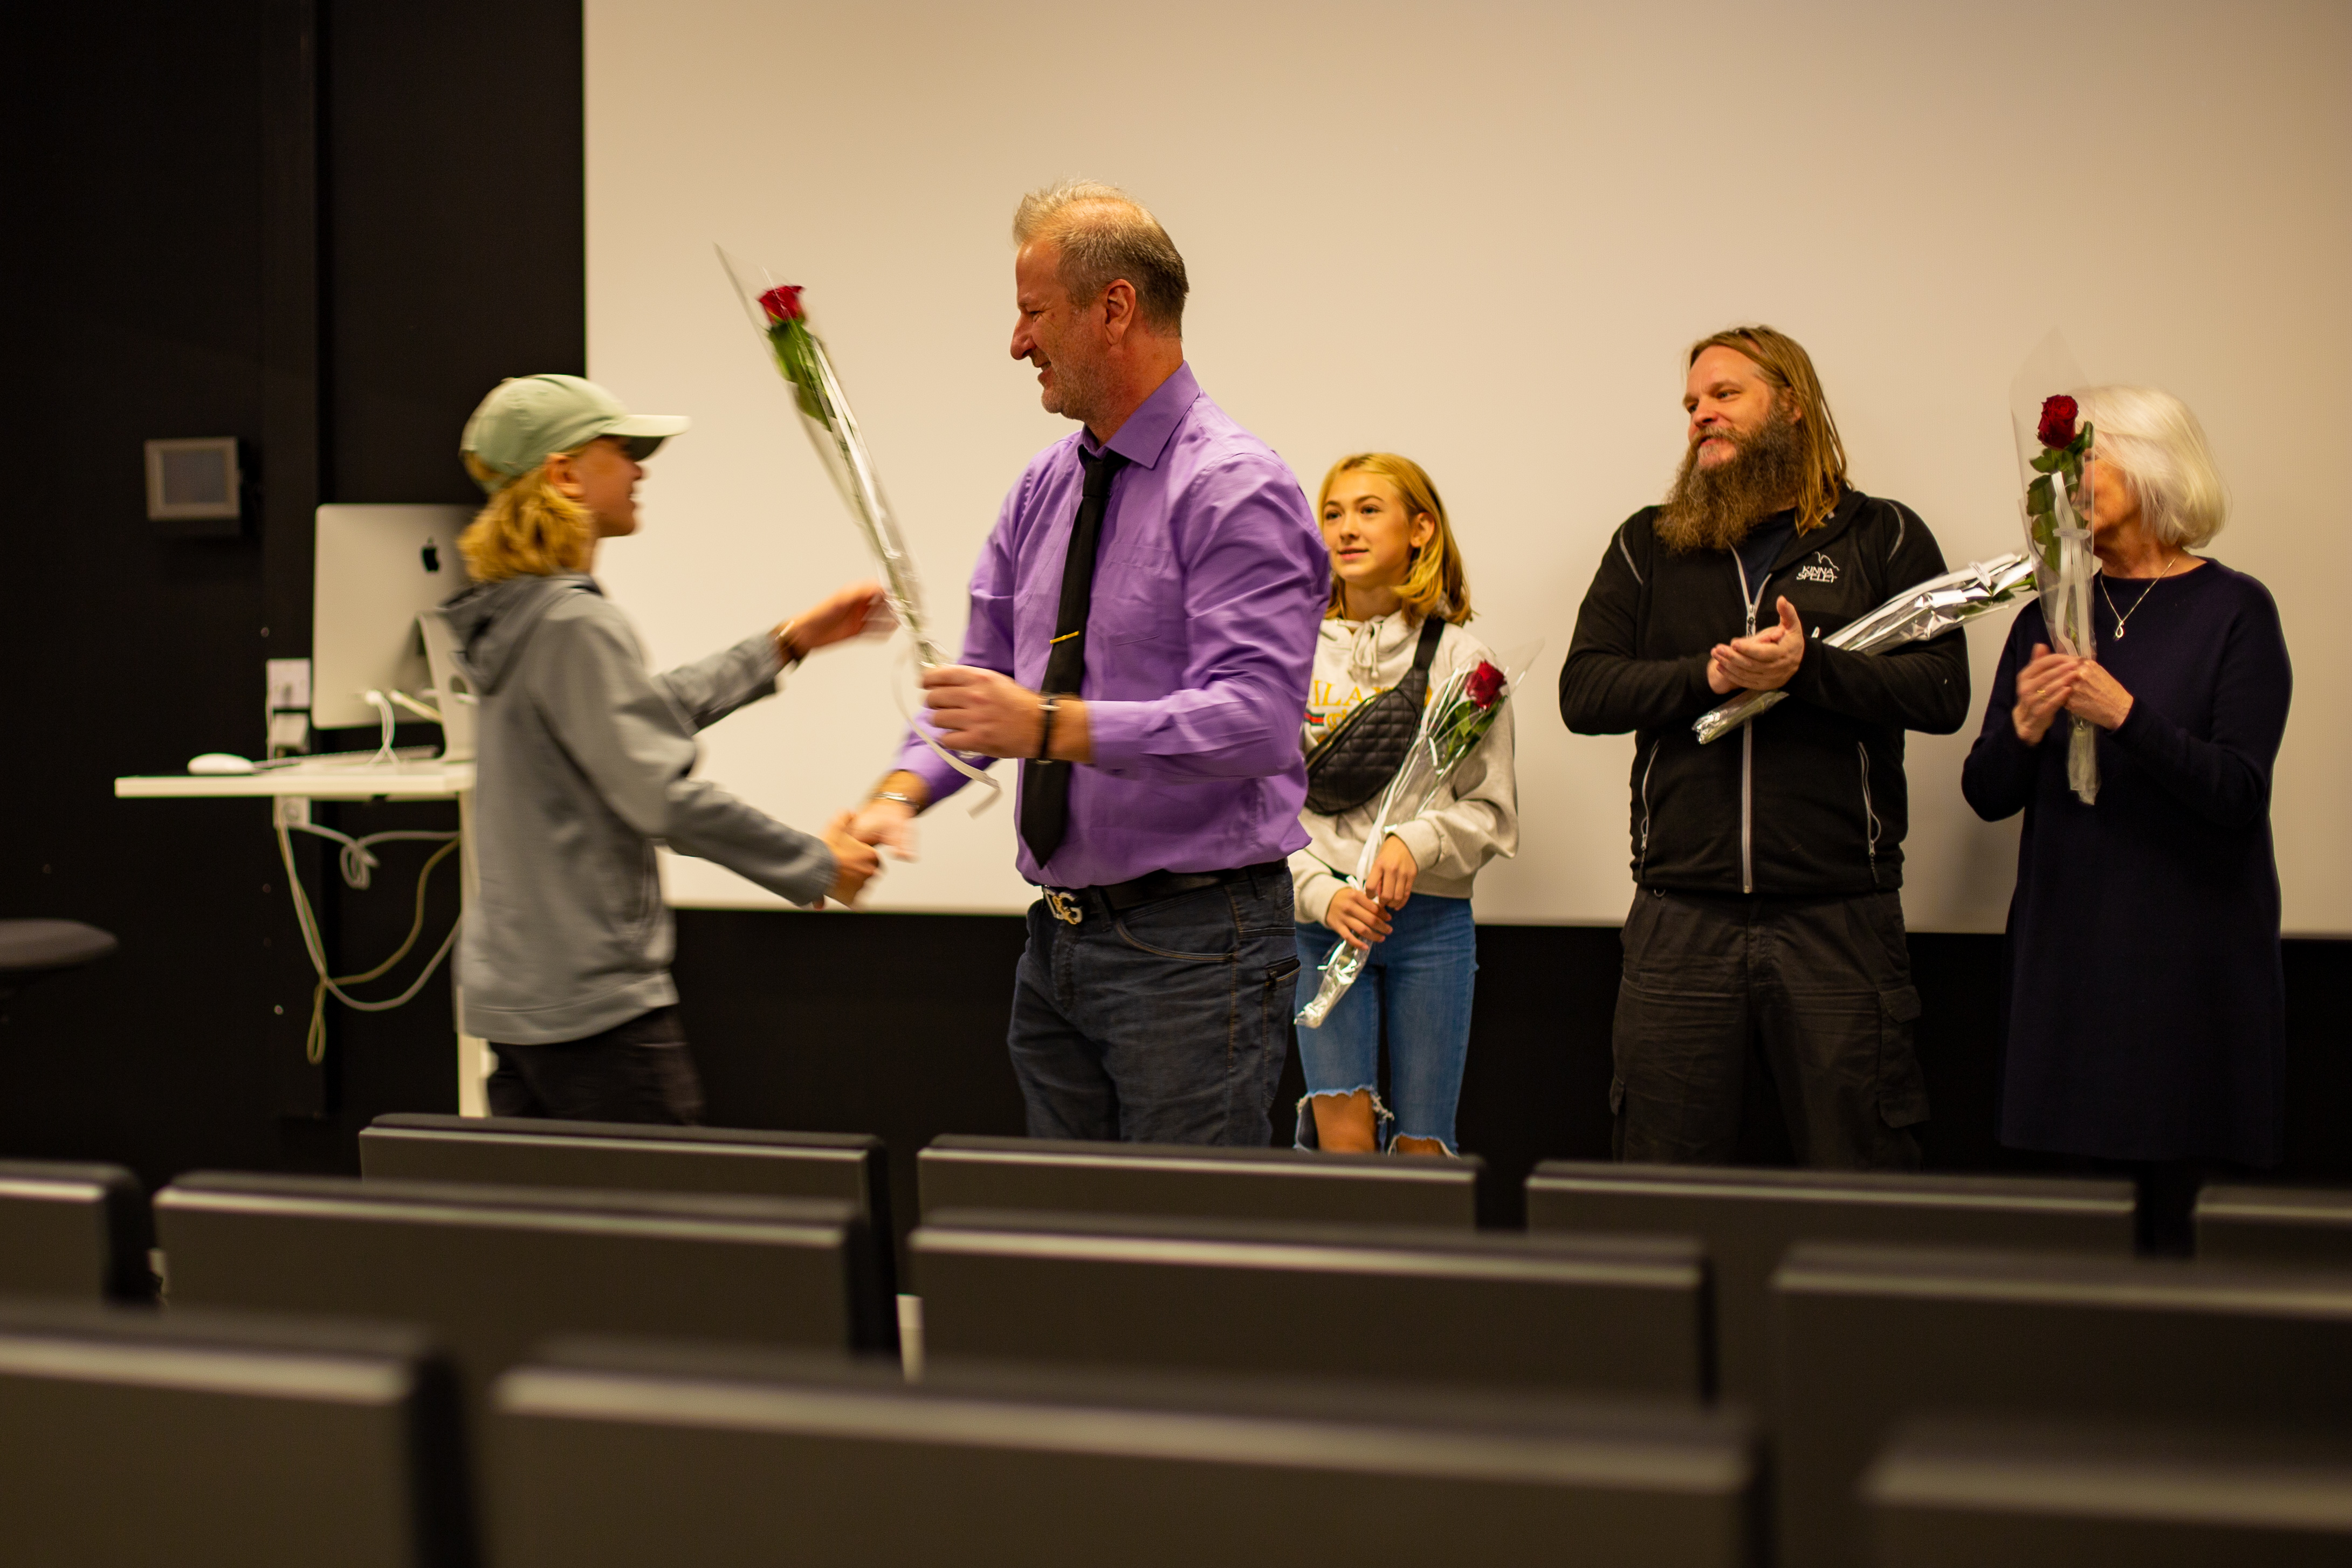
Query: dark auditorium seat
point(1749, 1217)
point(973, 1173)
point(2061, 1495)
point(35, 949)
point(610, 1455)
point(627, 1157)
point(1867, 1336)
point(1588, 1314)
point(130, 1438)
point(492, 1271)
point(2310, 1225)
point(73, 1230)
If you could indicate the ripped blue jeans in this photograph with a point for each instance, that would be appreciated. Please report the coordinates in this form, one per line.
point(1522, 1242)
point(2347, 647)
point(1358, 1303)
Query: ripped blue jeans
point(1419, 980)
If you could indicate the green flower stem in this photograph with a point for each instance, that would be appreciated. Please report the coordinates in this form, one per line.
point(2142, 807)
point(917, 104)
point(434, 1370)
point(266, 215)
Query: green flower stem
point(796, 358)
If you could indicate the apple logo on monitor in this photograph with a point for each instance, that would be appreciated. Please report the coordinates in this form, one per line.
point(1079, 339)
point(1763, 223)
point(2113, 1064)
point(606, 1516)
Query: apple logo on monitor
point(432, 553)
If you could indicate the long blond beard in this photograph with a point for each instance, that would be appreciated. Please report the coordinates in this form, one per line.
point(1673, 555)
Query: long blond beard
point(1715, 508)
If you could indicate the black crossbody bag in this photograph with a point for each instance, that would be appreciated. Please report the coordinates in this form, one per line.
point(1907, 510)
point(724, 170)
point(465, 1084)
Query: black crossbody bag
point(1357, 759)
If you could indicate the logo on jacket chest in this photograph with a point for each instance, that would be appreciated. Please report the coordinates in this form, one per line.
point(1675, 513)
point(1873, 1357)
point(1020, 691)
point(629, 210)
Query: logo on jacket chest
point(1819, 569)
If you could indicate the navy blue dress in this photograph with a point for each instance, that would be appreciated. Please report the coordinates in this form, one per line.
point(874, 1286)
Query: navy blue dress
point(2145, 1013)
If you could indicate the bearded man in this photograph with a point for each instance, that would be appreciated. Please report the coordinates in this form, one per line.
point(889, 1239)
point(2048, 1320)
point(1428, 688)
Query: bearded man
point(1766, 938)
point(1144, 625)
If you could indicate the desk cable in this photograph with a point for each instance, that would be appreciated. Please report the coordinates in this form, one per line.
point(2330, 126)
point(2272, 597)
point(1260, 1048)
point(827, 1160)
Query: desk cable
point(358, 865)
point(383, 702)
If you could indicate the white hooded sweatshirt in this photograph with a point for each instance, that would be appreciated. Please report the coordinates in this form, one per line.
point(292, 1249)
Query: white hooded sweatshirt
point(1474, 817)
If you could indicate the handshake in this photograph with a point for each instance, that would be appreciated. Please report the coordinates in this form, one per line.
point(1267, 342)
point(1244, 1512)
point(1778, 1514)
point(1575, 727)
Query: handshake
point(975, 711)
point(856, 838)
point(858, 610)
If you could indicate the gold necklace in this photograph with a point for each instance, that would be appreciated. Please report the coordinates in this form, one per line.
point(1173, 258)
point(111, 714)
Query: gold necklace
point(2122, 616)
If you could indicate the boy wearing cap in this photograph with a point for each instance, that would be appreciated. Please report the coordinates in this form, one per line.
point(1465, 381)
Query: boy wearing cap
point(586, 761)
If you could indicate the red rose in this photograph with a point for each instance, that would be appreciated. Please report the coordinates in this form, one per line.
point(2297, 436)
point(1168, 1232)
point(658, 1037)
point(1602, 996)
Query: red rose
point(782, 304)
point(2057, 420)
point(1485, 685)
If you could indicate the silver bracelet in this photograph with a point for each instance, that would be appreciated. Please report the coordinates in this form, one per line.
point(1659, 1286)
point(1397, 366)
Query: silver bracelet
point(905, 800)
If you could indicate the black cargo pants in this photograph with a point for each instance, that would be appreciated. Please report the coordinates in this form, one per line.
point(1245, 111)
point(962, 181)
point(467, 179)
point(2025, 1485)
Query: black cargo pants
point(1821, 988)
point(638, 1070)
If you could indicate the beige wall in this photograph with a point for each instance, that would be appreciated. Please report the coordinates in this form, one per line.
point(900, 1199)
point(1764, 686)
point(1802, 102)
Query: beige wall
point(1480, 234)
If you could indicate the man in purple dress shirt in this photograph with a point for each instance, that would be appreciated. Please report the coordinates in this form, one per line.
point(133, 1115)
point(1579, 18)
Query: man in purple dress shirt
point(1142, 628)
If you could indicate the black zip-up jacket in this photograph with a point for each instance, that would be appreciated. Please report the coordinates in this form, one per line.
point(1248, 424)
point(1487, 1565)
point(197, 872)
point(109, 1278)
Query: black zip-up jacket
point(1808, 801)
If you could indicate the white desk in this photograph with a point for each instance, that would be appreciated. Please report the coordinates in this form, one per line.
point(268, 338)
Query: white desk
point(342, 779)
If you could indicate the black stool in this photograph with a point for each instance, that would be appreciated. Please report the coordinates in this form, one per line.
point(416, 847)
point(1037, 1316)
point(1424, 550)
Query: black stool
point(35, 949)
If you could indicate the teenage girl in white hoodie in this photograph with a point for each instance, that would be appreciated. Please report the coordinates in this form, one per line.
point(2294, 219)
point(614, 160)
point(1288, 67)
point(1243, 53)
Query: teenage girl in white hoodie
point(1393, 561)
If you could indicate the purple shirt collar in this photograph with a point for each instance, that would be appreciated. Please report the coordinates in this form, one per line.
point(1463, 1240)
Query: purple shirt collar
point(1144, 438)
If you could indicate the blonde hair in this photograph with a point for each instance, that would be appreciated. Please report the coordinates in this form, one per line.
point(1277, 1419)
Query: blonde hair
point(528, 528)
point(1435, 583)
point(1790, 369)
point(1104, 235)
point(2159, 446)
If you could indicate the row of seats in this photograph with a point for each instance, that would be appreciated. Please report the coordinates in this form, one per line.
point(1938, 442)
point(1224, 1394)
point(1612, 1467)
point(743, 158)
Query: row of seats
point(205, 1438)
point(1160, 1324)
point(215, 1437)
point(85, 1228)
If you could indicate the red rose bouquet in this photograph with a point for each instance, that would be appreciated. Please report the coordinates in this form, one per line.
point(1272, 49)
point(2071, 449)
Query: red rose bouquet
point(785, 322)
point(1456, 718)
point(777, 312)
point(2056, 426)
point(1484, 686)
point(2054, 452)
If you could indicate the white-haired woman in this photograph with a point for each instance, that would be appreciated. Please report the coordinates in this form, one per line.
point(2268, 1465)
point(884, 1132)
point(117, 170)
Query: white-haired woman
point(2145, 1018)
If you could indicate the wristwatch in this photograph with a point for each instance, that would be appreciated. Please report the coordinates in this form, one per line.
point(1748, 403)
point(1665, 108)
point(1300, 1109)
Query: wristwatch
point(1046, 705)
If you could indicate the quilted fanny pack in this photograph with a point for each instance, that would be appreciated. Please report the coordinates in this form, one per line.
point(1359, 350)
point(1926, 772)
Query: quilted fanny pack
point(1357, 759)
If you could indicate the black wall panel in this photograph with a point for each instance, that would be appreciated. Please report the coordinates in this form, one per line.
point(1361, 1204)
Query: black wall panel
point(256, 219)
point(455, 228)
point(134, 309)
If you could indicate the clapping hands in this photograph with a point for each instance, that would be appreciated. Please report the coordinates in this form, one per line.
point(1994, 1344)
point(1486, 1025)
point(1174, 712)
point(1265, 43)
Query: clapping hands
point(1764, 662)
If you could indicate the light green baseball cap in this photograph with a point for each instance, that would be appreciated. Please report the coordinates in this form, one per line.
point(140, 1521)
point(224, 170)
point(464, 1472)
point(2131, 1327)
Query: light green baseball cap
point(528, 416)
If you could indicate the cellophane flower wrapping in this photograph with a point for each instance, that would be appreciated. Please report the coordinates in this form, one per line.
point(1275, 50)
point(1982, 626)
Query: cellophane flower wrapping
point(782, 320)
point(2054, 467)
point(1925, 610)
point(2057, 507)
point(1454, 720)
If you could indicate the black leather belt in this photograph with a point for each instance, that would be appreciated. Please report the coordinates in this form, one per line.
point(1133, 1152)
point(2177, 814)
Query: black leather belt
point(1154, 886)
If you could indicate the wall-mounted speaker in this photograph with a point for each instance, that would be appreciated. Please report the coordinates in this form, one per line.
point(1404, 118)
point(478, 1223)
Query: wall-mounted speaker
point(198, 481)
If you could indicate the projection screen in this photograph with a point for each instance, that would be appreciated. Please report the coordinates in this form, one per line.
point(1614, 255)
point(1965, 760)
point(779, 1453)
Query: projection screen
point(1482, 235)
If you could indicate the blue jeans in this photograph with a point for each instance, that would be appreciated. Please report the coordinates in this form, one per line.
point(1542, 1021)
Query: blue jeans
point(1167, 1024)
point(1420, 980)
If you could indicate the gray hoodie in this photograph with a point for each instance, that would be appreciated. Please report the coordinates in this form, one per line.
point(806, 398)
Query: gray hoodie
point(583, 763)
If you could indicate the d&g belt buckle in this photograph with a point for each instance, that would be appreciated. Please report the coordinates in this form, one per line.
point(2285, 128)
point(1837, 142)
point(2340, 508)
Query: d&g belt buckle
point(1067, 909)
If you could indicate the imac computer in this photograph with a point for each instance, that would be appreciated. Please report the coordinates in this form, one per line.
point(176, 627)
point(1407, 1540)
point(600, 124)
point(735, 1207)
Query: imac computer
point(377, 569)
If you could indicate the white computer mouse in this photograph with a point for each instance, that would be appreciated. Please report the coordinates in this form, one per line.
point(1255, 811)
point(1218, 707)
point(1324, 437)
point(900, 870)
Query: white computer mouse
point(220, 763)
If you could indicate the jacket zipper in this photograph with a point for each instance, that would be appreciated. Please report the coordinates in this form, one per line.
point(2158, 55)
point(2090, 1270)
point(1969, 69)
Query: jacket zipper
point(1642, 851)
point(1747, 809)
point(1869, 813)
point(1748, 745)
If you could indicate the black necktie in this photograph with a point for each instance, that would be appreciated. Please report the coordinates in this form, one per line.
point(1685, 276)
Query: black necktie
point(1046, 786)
